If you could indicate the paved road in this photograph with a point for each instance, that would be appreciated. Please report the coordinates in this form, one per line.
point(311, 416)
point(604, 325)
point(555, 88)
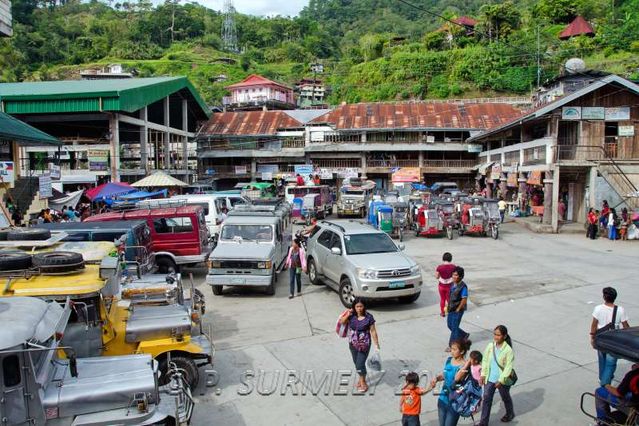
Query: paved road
point(543, 287)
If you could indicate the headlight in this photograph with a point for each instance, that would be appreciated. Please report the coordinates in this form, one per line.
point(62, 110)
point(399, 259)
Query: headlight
point(414, 269)
point(215, 264)
point(369, 274)
point(264, 265)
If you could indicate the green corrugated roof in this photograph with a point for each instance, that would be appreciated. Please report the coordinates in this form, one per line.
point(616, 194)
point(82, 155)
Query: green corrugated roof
point(128, 94)
point(15, 130)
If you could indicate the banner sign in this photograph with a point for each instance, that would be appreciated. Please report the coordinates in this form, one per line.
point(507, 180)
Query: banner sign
point(534, 178)
point(267, 176)
point(406, 174)
point(626, 130)
point(618, 113)
point(7, 174)
point(512, 180)
point(571, 113)
point(593, 113)
point(268, 168)
point(495, 172)
point(98, 160)
point(54, 171)
point(303, 169)
point(475, 148)
point(44, 186)
point(240, 170)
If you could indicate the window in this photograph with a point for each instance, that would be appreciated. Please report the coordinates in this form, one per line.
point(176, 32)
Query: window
point(247, 232)
point(108, 236)
point(369, 243)
point(336, 242)
point(172, 225)
point(315, 230)
point(325, 239)
point(11, 371)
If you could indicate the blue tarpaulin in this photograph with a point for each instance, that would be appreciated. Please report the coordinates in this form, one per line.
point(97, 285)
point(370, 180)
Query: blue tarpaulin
point(139, 195)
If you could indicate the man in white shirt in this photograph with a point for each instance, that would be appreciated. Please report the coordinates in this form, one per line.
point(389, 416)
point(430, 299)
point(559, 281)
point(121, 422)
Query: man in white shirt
point(602, 317)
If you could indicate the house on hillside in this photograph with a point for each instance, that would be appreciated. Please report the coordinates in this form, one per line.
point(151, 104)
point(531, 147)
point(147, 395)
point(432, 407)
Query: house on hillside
point(257, 92)
point(310, 92)
point(578, 27)
point(5, 19)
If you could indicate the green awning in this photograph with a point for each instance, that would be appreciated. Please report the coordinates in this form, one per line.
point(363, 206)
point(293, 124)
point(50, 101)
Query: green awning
point(13, 129)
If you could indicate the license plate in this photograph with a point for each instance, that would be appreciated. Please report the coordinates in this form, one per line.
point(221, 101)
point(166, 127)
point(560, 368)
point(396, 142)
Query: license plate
point(397, 284)
point(238, 281)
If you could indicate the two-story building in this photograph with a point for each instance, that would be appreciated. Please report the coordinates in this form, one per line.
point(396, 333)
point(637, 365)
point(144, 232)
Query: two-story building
point(368, 139)
point(580, 148)
point(257, 92)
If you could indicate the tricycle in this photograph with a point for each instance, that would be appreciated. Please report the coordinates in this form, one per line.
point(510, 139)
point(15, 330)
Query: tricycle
point(449, 217)
point(400, 219)
point(385, 218)
point(472, 218)
point(492, 217)
point(429, 223)
point(312, 208)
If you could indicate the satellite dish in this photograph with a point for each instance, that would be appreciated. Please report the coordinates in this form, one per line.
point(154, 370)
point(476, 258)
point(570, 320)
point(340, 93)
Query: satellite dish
point(575, 65)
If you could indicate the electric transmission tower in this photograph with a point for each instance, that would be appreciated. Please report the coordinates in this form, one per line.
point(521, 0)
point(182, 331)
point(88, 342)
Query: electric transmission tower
point(229, 32)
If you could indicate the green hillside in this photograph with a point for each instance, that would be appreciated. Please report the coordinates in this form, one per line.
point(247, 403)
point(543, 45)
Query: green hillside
point(372, 49)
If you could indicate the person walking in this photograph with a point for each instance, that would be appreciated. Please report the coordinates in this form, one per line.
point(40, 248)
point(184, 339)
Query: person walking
point(362, 331)
point(607, 316)
point(453, 373)
point(496, 369)
point(410, 403)
point(296, 264)
point(457, 306)
point(501, 204)
point(444, 275)
point(592, 224)
point(612, 225)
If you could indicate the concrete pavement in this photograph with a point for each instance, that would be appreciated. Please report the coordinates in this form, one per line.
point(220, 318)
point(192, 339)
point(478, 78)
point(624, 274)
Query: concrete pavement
point(543, 287)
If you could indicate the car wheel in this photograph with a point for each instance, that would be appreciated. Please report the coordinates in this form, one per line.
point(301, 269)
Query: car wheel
point(270, 289)
point(312, 273)
point(217, 289)
point(187, 365)
point(346, 295)
point(409, 299)
point(166, 265)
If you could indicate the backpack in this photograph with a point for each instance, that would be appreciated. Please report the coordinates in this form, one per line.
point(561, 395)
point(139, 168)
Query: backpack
point(466, 398)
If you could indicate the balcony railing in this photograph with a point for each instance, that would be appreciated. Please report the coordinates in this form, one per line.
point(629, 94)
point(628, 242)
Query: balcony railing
point(450, 164)
point(577, 153)
point(330, 163)
point(251, 145)
point(392, 163)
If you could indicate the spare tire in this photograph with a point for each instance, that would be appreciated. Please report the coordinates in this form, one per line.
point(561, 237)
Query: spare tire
point(58, 261)
point(14, 260)
point(29, 234)
point(4, 233)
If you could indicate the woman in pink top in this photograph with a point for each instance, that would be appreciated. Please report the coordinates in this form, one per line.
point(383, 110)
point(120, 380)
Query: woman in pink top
point(444, 273)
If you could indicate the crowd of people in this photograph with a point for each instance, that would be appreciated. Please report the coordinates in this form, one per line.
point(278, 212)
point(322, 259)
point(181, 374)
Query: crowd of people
point(489, 371)
point(608, 223)
point(67, 214)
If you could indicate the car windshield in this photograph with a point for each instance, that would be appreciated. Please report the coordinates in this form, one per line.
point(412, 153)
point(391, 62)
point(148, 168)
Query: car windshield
point(369, 243)
point(353, 192)
point(247, 232)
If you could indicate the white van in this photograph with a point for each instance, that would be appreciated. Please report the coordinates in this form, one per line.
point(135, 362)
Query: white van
point(212, 205)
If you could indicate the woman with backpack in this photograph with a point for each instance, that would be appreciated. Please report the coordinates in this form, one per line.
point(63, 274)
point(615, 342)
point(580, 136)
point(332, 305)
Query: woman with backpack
point(453, 373)
point(362, 331)
point(497, 374)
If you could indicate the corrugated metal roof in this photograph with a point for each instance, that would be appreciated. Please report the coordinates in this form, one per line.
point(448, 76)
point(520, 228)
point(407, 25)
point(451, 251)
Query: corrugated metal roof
point(246, 123)
point(579, 26)
point(128, 94)
point(418, 115)
point(15, 130)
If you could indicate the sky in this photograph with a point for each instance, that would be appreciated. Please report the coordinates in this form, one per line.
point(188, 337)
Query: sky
point(260, 7)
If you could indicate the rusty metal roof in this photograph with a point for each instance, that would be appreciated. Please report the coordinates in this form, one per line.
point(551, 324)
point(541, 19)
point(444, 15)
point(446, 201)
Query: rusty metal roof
point(419, 115)
point(249, 123)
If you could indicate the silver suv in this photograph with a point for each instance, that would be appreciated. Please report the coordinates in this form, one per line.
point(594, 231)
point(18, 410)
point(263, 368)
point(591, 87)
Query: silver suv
point(357, 260)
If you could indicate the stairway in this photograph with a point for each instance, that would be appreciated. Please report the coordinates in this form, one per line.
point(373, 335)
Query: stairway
point(624, 179)
point(23, 194)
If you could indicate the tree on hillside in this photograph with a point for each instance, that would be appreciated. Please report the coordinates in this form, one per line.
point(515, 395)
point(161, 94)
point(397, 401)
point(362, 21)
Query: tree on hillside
point(499, 20)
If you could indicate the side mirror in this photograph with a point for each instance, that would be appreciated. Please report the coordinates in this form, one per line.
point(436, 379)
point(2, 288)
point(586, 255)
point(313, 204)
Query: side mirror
point(336, 251)
point(401, 246)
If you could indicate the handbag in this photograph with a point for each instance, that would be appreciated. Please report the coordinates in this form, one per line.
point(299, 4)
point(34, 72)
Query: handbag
point(610, 326)
point(512, 377)
point(342, 329)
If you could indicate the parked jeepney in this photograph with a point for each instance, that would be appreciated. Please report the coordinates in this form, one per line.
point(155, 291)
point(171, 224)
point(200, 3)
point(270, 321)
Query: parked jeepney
point(42, 382)
point(103, 322)
point(257, 190)
point(252, 248)
point(353, 197)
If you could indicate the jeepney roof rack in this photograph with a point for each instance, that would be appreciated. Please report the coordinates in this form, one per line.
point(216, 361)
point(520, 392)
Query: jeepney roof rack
point(160, 203)
point(340, 227)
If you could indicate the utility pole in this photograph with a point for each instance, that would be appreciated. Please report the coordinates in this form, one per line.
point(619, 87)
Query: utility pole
point(538, 60)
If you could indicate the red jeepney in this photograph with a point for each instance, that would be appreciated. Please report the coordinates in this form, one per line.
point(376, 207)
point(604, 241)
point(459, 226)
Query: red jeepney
point(179, 235)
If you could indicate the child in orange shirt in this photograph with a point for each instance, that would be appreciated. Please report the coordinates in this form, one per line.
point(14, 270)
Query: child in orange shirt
point(410, 403)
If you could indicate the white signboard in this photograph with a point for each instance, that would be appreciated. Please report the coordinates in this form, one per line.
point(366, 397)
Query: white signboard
point(7, 174)
point(593, 113)
point(618, 113)
point(571, 113)
point(44, 187)
point(317, 136)
point(240, 170)
point(626, 130)
point(54, 171)
point(267, 176)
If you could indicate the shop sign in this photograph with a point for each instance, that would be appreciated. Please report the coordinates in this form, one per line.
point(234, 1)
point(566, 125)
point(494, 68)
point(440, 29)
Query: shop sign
point(626, 130)
point(326, 174)
point(534, 178)
point(267, 176)
point(7, 173)
point(54, 171)
point(495, 172)
point(98, 160)
point(593, 113)
point(475, 148)
point(240, 170)
point(571, 113)
point(512, 180)
point(268, 168)
point(44, 186)
point(348, 172)
point(406, 174)
point(617, 113)
point(303, 169)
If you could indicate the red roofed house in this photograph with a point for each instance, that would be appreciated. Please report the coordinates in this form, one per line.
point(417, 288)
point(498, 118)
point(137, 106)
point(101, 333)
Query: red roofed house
point(257, 92)
point(579, 26)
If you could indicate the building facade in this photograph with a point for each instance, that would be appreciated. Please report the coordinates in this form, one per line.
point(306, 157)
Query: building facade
point(372, 140)
point(579, 149)
point(257, 92)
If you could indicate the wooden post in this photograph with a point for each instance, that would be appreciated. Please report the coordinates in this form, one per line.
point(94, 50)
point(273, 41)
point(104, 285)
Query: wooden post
point(549, 200)
point(114, 146)
point(144, 141)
